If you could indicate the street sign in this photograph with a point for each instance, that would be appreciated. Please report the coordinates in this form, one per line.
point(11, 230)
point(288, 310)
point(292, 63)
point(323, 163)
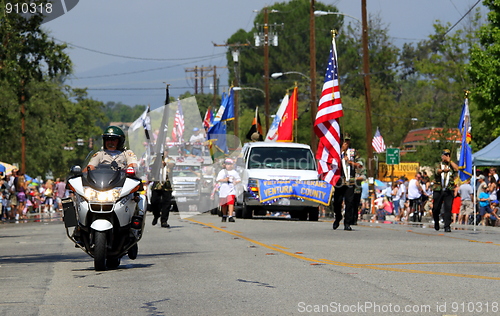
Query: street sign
point(392, 156)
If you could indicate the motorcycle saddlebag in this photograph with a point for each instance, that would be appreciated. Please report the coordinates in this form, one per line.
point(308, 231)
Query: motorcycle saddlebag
point(69, 213)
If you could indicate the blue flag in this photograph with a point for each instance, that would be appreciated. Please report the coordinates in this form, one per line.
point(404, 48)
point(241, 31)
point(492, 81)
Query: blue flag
point(465, 162)
point(217, 131)
point(229, 107)
point(217, 135)
point(226, 109)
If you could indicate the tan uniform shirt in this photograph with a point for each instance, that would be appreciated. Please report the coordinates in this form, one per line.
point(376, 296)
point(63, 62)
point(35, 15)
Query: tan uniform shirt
point(122, 158)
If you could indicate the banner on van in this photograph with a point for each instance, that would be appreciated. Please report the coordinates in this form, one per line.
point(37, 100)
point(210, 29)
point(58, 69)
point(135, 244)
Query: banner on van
point(317, 191)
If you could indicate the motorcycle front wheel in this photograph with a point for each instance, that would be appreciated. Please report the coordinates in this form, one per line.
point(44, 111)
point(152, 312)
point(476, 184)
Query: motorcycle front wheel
point(100, 247)
point(112, 263)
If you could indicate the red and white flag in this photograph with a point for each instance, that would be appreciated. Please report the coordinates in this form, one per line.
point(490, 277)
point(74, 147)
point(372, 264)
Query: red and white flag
point(378, 142)
point(272, 133)
point(208, 119)
point(285, 128)
point(326, 125)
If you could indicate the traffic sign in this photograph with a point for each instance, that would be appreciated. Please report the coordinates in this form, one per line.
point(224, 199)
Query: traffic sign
point(392, 156)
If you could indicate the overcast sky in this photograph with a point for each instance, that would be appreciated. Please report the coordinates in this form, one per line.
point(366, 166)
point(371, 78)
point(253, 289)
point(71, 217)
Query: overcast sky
point(184, 32)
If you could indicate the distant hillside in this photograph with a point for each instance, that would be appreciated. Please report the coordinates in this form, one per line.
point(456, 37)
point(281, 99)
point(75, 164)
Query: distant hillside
point(139, 82)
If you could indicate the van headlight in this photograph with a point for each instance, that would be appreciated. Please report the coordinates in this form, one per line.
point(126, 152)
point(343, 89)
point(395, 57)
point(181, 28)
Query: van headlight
point(94, 196)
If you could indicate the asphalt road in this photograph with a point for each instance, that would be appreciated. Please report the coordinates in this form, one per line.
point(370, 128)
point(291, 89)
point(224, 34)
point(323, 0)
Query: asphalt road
point(201, 266)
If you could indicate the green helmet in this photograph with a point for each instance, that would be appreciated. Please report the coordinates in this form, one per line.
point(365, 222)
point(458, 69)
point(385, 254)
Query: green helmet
point(114, 132)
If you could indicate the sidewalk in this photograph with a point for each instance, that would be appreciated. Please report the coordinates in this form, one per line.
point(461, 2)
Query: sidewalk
point(36, 217)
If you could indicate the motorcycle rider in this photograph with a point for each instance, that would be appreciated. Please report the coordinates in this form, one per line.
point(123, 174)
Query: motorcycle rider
point(115, 154)
point(113, 140)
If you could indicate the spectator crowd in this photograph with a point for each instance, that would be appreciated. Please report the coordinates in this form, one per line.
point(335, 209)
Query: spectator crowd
point(410, 200)
point(21, 196)
point(406, 199)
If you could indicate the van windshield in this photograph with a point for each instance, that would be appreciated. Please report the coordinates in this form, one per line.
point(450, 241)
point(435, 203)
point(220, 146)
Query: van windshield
point(281, 158)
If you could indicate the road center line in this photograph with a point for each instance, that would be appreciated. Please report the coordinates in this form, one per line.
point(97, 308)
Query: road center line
point(356, 265)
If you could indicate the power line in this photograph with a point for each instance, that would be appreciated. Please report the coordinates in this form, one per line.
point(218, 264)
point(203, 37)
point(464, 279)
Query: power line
point(144, 70)
point(125, 89)
point(467, 13)
point(129, 57)
point(109, 89)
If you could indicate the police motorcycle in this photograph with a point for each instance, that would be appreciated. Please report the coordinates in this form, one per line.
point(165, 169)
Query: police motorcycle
point(106, 213)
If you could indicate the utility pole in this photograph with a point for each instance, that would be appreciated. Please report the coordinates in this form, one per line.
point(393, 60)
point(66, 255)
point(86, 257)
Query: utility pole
point(312, 75)
point(368, 112)
point(195, 69)
point(201, 78)
point(23, 128)
point(235, 53)
point(215, 88)
point(266, 67)
point(236, 60)
point(366, 74)
point(269, 36)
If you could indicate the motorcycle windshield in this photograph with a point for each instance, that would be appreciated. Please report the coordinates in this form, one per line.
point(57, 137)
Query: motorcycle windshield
point(104, 177)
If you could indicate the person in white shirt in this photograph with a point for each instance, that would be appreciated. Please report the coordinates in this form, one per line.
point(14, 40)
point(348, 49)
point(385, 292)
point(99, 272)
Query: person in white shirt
point(493, 172)
point(197, 140)
point(466, 199)
point(227, 178)
point(414, 195)
point(401, 196)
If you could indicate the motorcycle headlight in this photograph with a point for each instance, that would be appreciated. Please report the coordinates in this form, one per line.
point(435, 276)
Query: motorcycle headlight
point(94, 196)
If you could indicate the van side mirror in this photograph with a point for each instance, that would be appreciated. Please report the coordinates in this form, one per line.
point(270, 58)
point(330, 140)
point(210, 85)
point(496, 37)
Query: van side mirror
point(240, 162)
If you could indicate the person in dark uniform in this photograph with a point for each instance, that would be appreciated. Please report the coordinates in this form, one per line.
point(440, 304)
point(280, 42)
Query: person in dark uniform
point(161, 195)
point(444, 185)
point(360, 176)
point(345, 189)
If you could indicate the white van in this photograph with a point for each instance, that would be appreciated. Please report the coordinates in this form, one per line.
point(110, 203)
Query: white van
point(277, 161)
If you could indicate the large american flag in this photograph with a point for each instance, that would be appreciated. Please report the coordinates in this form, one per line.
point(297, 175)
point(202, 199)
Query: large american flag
point(178, 129)
point(378, 142)
point(327, 125)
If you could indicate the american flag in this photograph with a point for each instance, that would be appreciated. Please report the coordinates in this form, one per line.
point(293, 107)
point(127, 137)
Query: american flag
point(378, 142)
point(326, 125)
point(178, 129)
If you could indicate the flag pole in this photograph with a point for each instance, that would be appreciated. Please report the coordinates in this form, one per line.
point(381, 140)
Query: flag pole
point(341, 119)
point(295, 109)
point(157, 165)
point(327, 125)
point(474, 197)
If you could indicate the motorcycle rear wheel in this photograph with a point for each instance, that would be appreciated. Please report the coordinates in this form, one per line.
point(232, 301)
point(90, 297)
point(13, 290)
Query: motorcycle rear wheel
point(100, 247)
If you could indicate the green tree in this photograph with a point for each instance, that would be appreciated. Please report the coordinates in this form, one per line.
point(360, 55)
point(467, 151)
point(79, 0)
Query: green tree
point(27, 56)
point(85, 120)
point(119, 112)
point(55, 123)
point(484, 69)
point(432, 80)
point(292, 54)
